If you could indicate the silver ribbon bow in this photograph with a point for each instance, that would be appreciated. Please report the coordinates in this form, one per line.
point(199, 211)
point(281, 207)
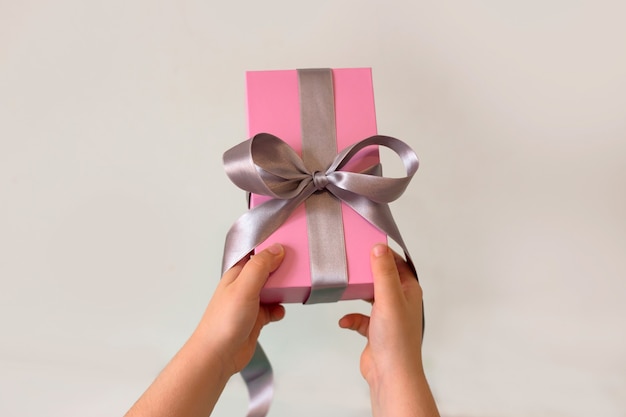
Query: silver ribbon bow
point(268, 166)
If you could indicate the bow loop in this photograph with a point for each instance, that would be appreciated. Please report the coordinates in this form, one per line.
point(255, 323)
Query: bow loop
point(268, 166)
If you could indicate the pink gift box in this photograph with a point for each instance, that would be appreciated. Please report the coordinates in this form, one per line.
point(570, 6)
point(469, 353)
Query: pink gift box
point(273, 106)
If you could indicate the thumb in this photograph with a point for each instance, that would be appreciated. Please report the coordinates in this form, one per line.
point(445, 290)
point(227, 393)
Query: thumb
point(258, 268)
point(387, 287)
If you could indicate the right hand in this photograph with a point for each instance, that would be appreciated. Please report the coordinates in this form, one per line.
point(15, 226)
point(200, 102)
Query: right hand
point(394, 329)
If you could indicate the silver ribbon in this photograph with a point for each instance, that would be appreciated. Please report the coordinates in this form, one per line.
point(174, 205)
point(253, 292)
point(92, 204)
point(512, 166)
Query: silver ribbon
point(268, 166)
point(327, 248)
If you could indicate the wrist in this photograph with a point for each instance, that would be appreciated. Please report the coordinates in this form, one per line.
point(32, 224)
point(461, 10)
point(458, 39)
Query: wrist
point(399, 367)
point(210, 356)
point(402, 392)
point(392, 385)
point(392, 377)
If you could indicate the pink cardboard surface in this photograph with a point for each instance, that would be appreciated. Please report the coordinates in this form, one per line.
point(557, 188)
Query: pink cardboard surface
point(273, 106)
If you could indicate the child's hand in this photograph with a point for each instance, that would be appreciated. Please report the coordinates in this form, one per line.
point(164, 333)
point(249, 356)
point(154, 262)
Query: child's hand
point(392, 361)
point(234, 317)
point(222, 344)
point(394, 330)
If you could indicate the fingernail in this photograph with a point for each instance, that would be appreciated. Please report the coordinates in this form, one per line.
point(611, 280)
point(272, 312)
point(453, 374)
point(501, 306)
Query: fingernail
point(379, 250)
point(275, 249)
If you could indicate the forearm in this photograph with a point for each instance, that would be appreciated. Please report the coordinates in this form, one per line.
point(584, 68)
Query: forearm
point(189, 386)
point(403, 395)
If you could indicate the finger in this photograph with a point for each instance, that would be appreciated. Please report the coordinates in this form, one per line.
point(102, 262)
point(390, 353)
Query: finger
point(408, 280)
point(258, 268)
point(404, 270)
point(357, 322)
point(387, 288)
point(267, 314)
point(276, 312)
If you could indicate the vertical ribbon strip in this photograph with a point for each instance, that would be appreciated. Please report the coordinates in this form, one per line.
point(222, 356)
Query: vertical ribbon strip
point(327, 251)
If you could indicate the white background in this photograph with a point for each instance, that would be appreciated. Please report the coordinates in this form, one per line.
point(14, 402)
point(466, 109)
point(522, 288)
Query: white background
point(114, 205)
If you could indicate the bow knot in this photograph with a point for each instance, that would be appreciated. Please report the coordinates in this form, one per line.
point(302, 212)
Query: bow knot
point(320, 180)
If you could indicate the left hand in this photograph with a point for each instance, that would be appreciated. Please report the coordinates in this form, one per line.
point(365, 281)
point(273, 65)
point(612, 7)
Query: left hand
point(234, 317)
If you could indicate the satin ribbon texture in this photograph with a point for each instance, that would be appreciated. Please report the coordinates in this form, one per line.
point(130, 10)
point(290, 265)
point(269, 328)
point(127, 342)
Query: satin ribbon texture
point(268, 166)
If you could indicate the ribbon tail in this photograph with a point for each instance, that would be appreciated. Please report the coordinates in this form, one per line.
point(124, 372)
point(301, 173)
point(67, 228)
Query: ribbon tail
point(379, 215)
point(246, 234)
point(243, 236)
point(259, 379)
